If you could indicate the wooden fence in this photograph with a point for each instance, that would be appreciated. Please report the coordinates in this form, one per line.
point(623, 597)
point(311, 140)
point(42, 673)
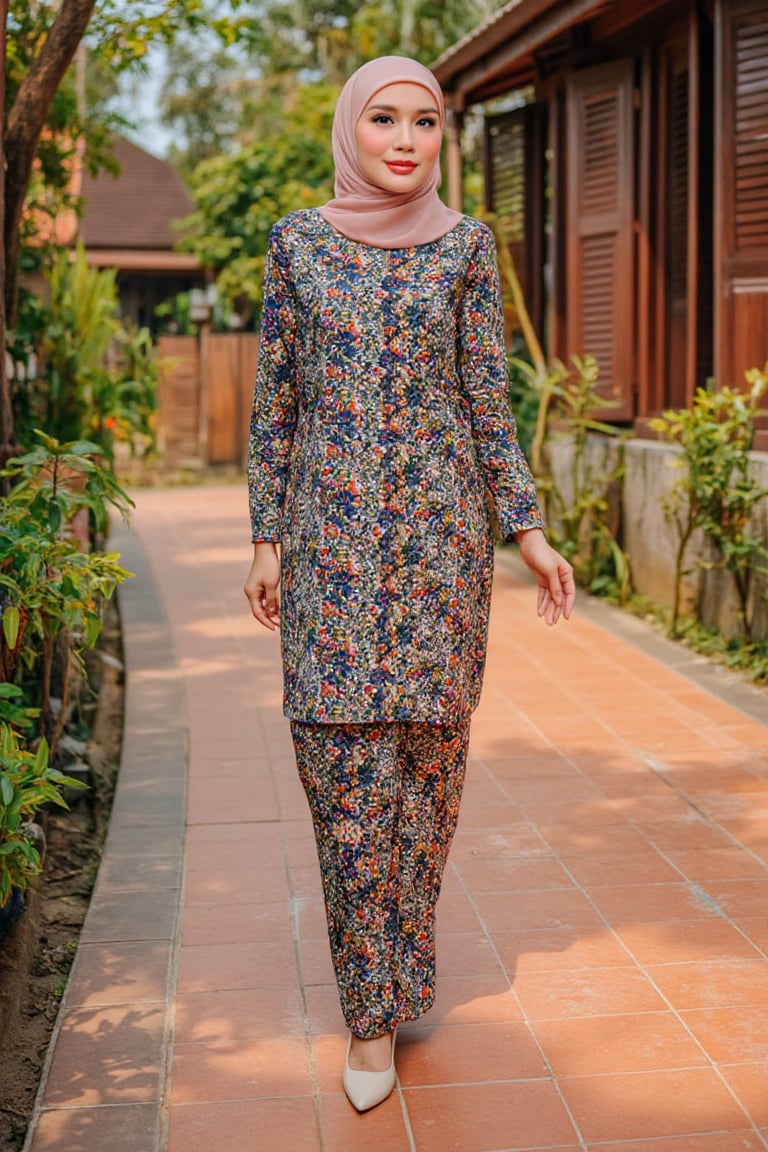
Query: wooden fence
point(204, 400)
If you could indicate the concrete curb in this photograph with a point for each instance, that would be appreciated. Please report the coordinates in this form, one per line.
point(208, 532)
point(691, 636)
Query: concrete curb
point(105, 1076)
point(714, 678)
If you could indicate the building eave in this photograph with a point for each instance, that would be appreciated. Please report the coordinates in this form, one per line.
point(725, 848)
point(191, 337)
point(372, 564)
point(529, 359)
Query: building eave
point(142, 260)
point(501, 51)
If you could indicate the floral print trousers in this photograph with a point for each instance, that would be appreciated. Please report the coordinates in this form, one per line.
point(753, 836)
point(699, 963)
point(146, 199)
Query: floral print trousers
point(384, 799)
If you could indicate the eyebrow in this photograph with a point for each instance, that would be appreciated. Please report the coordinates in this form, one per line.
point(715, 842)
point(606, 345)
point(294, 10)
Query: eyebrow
point(392, 108)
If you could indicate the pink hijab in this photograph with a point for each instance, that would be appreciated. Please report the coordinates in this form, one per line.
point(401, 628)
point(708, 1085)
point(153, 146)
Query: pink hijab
point(361, 210)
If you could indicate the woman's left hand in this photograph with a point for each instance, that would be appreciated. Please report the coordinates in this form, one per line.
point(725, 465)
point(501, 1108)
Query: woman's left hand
point(554, 575)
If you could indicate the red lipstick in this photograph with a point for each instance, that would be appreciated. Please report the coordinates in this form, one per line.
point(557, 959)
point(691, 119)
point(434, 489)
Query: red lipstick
point(400, 167)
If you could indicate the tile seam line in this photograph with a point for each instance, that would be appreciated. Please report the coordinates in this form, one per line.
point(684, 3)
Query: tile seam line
point(641, 968)
point(713, 1064)
point(729, 702)
point(631, 1142)
point(110, 1106)
point(694, 886)
point(533, 1147)
point(172, 973)
point(406, 1116)
point(101, 1005)
point(524, 1017)
point(661, 770)
point(237, 640)
point(653, 764)
point(170, 1015)
point(219, 603)
point(742, 697)
point(126, 541)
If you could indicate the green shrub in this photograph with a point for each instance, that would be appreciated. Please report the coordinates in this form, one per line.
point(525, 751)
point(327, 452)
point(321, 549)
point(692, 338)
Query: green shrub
point(95, 378)
point(582, 510)
point(27, 782)
point(715, 490)
point(52, 588)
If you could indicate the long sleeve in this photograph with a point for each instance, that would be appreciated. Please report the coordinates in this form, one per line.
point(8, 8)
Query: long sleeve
point(273, 420)
point(483, 369)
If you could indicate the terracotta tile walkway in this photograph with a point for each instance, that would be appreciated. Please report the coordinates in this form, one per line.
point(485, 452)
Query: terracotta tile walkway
point(603, 979)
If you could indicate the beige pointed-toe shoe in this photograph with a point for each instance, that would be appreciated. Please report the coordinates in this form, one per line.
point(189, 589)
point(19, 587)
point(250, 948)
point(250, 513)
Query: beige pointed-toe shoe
point(367, 1089)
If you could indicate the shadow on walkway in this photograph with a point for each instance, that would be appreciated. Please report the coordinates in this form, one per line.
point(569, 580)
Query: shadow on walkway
point(603, 980)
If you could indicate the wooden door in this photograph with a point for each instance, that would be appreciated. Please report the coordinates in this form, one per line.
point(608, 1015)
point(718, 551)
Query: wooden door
point(600, 208)
point(229, 370)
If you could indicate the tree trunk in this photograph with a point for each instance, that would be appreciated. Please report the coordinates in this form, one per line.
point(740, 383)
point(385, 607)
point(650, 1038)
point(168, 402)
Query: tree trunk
point(26, 121)
point(408, 25)
point(6, 411)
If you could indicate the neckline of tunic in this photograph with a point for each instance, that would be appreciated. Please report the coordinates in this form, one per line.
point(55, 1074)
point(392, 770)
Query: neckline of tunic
point(317, 214)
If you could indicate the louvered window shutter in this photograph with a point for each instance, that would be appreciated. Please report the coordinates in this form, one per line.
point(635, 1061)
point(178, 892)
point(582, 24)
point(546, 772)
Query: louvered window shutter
point(600, 244)
point(677, 207)
point(505, 145)
point(750, 43)
point(742, 219)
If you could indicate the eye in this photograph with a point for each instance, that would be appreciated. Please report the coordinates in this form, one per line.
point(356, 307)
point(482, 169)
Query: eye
point(426, 122)
point(382, 118)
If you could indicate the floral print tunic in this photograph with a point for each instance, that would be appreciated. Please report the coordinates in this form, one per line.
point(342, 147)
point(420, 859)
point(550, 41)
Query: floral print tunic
point(380, 425)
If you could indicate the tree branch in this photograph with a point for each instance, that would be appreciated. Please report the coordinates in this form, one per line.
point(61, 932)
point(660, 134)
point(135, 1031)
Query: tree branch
point(27, 119)
point(6, 410)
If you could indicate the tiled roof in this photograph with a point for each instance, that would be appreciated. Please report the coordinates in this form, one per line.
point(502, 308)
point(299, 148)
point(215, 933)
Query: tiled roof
point(485, 34)
point(507, 37)
point(136, 208)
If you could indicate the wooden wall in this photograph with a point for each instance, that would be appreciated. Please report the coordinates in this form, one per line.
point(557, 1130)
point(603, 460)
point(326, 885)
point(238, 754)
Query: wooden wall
point(655, 197)
point(205, 397)
point(229, 369)
point(178, 401)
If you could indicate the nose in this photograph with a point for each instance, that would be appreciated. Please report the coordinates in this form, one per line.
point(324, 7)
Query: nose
point(404, 142)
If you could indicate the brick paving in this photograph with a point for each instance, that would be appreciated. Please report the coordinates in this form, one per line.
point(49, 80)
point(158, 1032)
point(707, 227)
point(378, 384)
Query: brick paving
point(603, 928)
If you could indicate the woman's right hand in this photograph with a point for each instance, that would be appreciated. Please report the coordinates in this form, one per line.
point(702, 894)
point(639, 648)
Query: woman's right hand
point(261, 584)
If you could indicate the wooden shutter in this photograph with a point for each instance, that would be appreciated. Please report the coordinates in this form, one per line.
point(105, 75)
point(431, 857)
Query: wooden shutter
point(600, 213)
point(750, 45)
point(514, 185)
point(676, 256)
point(505, 152)
point(742, 187)
point(505, 155)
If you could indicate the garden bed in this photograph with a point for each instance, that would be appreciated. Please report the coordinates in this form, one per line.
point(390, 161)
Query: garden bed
point(36, 955)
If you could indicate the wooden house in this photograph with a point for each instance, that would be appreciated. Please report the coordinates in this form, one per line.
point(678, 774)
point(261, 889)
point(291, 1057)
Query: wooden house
point(627, 140)
point(128, 223)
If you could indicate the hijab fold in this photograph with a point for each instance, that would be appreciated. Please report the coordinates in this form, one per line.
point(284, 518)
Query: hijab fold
point(361, 209)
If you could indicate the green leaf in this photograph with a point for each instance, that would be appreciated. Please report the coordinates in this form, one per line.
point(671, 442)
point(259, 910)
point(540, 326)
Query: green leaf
point(9, 847)
point(7, 790)
point(93, 625)
point(41, 757)
point(30, 854)
point(75, 785)
point(11, 621)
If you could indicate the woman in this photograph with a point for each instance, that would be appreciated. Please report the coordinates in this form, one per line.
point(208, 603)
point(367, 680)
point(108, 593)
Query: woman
point(380, 427)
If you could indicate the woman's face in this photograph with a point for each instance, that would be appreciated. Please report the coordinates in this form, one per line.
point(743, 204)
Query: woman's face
point(398, 137)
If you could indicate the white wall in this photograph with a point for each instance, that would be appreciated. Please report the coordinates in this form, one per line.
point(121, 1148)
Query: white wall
point(650, 540)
